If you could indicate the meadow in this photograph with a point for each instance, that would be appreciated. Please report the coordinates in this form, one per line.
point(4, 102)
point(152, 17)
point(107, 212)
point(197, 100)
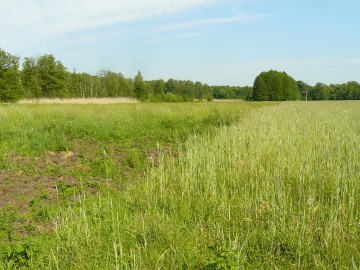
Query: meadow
point(181, 186)
point(52, 153)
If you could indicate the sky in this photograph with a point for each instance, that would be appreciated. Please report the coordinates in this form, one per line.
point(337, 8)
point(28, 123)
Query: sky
point(218, 42)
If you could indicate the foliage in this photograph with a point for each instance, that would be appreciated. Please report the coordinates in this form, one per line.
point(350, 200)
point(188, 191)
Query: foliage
point(10, 86)
point(52, 76)
point(232, 92)
point(274, 85)
point(140, 88)
point(320, 92)
point(19, 255)
point(304, 89)
point(30, 78)
point(221, 259)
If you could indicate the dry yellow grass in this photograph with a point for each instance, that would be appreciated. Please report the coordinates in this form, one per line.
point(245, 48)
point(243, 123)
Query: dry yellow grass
point(228, 100)
point(78, 100)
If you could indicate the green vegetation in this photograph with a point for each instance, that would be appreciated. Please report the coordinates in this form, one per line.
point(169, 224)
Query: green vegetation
point(274, 85)
point(176, 186)
point(51, 154)
point(321, 91)
point(141, 92)
point(232, 92)
point(10, 86)
point(277, 189)
point(46, 77)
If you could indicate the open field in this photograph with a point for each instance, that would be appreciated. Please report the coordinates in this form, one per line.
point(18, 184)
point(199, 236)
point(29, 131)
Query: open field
point(249, 187)
point(51, 153)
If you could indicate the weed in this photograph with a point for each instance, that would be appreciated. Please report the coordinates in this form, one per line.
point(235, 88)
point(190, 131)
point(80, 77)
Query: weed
point(222, 258)
point(20, 254)
point(65, 190)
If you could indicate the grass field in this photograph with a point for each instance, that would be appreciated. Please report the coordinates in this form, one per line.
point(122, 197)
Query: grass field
point(249, 186)
point(50, 154)
point(120, 100)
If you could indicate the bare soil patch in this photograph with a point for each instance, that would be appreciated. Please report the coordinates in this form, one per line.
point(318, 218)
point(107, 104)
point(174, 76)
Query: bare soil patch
point(17, 189)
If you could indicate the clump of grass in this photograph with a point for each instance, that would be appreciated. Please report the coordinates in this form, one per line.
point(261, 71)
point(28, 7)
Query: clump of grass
point(280, 189)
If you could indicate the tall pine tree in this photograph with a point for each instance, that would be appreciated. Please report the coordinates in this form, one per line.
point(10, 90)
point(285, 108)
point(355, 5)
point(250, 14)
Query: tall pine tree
point(141, 91)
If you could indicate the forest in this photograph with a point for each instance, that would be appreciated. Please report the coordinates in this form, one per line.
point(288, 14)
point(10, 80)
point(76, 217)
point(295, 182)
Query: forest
point(47, 77)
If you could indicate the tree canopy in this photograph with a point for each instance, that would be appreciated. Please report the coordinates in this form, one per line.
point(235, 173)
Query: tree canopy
point(10, 84)
point(275, 85)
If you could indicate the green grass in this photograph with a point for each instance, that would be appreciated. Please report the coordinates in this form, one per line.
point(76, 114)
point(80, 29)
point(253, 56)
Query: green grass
point(278, 189)
point(104, 139)
point(49, 154)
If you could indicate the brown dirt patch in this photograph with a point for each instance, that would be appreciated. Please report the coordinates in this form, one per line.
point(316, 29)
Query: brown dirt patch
point(18, 189)
point(25, 199)
point(63, 159)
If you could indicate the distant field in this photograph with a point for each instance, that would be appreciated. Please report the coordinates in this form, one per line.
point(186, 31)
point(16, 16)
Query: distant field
point(78, 101)
point(183, 186)
point(228, 100)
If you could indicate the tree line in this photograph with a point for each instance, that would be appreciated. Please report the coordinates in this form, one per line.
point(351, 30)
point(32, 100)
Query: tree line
point(45, 76)
point(275, 85)
point(321, 91)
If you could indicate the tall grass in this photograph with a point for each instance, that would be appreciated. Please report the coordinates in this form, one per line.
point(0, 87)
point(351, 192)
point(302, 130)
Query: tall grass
point(278, 190)
point(43, 147)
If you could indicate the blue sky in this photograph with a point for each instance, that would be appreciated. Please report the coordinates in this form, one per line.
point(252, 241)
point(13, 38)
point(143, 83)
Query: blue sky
point(223, 42)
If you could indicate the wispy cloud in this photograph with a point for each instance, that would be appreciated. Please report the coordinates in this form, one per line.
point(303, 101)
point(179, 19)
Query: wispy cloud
point(174, 37)
point(69, 15)
point(212, 21)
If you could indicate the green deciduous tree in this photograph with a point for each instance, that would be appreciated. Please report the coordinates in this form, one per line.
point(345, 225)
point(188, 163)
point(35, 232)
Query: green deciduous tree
point(52, 76)
point(304, 89)
point(30, 78)
point(275, 85)
point(320, 92)
point(261, 88)
point(10, 84)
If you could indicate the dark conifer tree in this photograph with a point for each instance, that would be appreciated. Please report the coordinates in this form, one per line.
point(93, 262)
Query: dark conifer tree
point(141, 91)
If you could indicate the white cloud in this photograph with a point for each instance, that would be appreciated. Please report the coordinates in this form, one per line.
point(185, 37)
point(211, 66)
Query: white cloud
point(175, 37)
point(54, 16)
point(212, 21)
